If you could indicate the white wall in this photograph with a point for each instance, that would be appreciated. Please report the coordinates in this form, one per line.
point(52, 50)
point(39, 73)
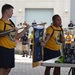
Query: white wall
point(59, 6)
point(72, 11)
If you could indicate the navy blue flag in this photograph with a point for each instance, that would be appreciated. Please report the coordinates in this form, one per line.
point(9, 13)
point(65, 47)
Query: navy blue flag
point(37, 48)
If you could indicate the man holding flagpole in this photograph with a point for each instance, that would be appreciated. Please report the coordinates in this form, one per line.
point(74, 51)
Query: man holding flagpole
point(52, 42)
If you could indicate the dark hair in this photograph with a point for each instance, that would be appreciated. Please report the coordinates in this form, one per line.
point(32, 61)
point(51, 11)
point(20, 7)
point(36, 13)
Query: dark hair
point(5, 7)
point(54, 17)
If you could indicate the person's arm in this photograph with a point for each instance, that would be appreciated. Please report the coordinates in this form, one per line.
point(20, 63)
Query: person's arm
point(62, 39)
point(70, 38)
point(4, 33)
point(19, 35)
point(46, 39)
point(48, 33)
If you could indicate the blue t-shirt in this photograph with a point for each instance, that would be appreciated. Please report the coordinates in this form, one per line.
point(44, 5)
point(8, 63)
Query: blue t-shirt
point(24, 40)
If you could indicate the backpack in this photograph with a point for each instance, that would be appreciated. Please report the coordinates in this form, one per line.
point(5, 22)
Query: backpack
point(69, 55)
point(8, 24)
point(11, 35)
point(55, 30)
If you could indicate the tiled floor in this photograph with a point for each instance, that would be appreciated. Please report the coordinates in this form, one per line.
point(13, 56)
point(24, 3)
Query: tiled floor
point(23, 66)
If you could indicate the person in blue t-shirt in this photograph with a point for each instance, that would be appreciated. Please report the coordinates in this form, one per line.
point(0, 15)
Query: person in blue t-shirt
point(24, 45)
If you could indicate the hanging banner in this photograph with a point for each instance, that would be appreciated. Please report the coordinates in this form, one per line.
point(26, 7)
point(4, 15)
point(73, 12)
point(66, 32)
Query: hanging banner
point(37, 48)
